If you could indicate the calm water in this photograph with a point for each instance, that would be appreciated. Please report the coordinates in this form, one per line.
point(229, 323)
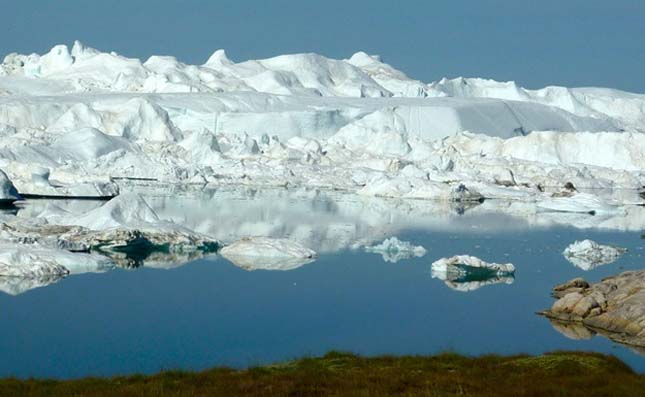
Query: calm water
point(210, 312)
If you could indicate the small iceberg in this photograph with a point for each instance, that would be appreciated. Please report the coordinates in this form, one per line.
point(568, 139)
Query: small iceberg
point(467, 273)
point(393, 250)
point(255, 253)
point(588, 254)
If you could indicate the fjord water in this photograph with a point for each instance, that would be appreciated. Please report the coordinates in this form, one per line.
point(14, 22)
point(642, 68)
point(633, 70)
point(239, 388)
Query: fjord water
point(210, 312)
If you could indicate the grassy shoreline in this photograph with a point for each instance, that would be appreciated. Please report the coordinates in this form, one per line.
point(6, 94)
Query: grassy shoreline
point(344, 374)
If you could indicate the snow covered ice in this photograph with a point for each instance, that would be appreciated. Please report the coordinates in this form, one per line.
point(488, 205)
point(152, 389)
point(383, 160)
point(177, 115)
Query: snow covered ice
point(78, 122)
point(588, 254)
point(75, 122)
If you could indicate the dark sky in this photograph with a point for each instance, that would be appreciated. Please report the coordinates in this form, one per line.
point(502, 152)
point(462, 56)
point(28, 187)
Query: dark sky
point(536, 43)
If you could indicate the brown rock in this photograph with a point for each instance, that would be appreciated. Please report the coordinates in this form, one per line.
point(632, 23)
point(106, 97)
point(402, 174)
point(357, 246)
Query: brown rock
point(614, 307)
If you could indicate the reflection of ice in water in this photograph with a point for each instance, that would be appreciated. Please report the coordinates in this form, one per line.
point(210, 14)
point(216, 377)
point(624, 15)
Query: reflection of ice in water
point(19, 285)
point(257, 253)
point(467, 273)
point(393, 250)
point(329, 221)
point(326, 221)
point(470, 281)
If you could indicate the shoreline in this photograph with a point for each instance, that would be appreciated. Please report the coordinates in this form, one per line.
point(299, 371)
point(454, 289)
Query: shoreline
point(336, 373)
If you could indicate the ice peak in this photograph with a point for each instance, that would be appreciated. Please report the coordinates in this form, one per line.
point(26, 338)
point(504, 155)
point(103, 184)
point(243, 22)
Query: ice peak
point(218, 58)
point(80, 50)
point(362, 58)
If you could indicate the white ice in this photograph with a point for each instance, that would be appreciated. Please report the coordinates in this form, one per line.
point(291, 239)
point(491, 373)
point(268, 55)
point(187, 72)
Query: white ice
point(588, 254)
point(461, 264)
point(254, 253)
point(393, 250)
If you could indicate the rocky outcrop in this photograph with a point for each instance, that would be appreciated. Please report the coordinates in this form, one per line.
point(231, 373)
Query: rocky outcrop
point(614, 307)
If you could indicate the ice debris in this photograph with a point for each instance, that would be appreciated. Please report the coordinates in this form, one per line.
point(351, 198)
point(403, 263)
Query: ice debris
point(393, 250)
point(588, 254)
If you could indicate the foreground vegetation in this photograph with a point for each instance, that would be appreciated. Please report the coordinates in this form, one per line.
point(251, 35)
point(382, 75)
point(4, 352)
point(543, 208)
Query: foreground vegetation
point(341, 374)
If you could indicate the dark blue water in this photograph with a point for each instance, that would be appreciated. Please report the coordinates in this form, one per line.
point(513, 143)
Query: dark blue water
point(210, 312)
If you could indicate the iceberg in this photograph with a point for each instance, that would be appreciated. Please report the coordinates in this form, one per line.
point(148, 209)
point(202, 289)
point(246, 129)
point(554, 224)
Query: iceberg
point(467, 273)
point(393, 250)
point(588, 254)
point(255, 253)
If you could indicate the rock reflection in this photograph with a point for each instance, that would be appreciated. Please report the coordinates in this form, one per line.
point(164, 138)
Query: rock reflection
point(571, 330)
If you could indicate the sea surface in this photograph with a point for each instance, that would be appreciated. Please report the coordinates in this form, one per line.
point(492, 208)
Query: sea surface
point(209, 312)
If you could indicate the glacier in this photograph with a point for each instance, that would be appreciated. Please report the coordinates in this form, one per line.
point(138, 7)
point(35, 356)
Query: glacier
point(80, 123)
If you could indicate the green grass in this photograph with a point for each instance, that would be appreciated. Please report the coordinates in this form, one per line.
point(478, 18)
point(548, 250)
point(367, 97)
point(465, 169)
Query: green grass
point(344, 374)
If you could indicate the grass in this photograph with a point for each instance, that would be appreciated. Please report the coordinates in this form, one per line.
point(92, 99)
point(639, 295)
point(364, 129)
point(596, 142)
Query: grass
point(344, 374)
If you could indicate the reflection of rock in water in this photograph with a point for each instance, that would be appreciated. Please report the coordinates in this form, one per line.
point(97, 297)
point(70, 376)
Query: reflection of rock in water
point(472, 278)
point(19, 285)
point(574, 331)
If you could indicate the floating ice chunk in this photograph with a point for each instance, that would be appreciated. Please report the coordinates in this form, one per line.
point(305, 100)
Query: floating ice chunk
point(462, 265)
point(467, 273)
point(393, 250)
point(8, 192)
point(33, 261)
point(253, 253)
point(588, 254)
